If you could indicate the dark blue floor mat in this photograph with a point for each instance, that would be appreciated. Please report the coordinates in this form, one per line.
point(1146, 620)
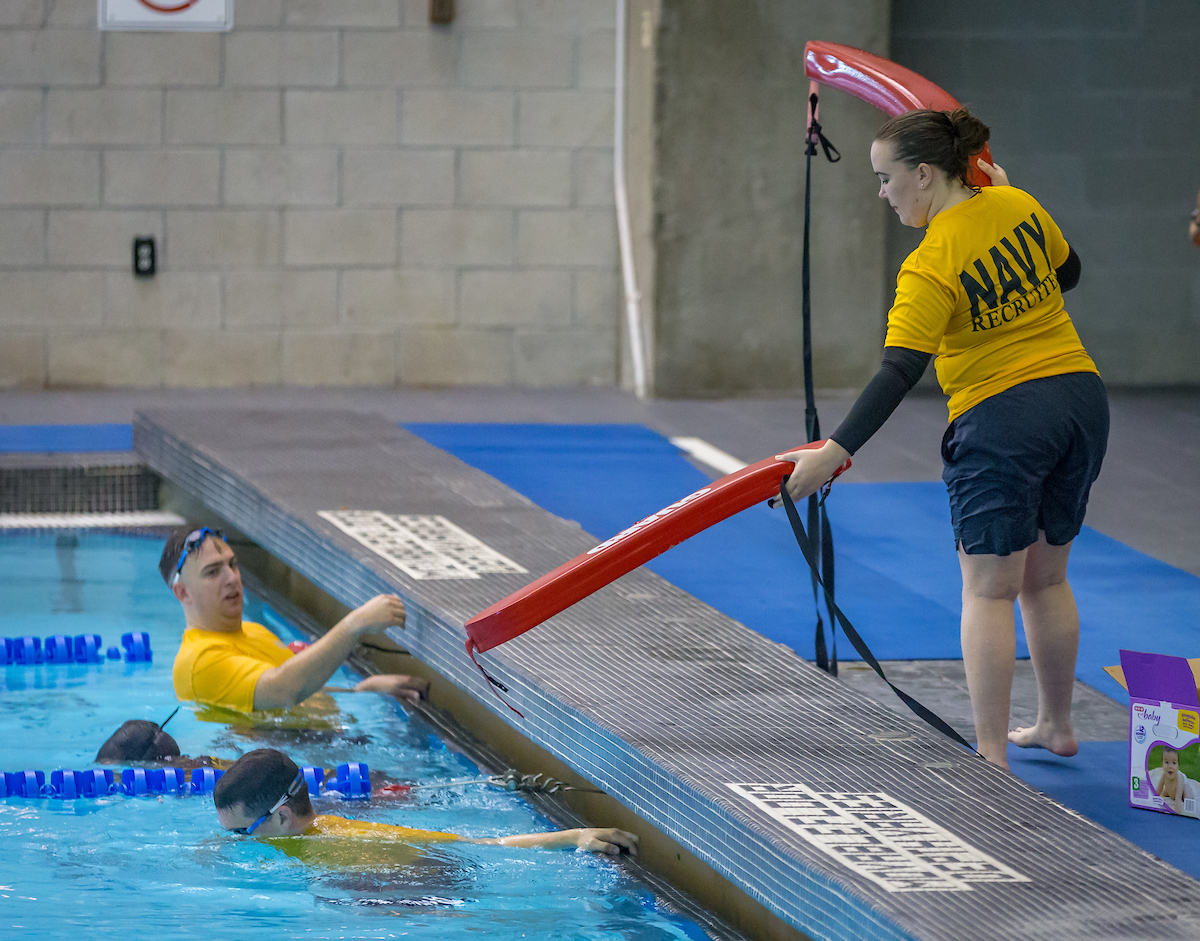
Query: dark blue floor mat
point(1093, 783)
point(897, 575)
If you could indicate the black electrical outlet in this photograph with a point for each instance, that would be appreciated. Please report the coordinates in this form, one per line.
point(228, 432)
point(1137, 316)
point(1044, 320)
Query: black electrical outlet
point(144, 260)
point(441, 12)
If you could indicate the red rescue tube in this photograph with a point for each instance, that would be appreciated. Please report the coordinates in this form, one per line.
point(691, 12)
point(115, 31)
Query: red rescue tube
point(891, 88)
point(575, 580)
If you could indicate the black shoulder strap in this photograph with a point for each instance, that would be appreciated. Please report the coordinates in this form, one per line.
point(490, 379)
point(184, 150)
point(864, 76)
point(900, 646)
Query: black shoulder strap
point(818, 524)
point(851, 634)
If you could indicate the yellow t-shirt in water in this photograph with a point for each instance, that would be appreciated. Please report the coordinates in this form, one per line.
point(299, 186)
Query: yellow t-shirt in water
point(980, 291)
point(339, 843)
point(222, 669)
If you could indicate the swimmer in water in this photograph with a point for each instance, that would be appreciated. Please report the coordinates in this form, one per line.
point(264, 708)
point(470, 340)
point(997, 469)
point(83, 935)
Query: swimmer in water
point(225, 661)
point(264, 795)
point(141, 742)
point(145, 742)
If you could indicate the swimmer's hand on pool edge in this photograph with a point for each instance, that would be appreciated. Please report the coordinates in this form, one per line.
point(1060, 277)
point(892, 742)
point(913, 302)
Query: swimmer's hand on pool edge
point(409, 688)
point(296, 679)
point(607, 840)
point(813, 467)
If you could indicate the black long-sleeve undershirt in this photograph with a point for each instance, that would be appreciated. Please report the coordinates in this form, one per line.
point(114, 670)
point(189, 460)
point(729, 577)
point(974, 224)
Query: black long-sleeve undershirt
point(899, 372)
point(1068, 272)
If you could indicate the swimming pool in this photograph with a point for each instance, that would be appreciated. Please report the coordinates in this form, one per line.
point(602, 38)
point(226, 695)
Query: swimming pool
point(107, 867)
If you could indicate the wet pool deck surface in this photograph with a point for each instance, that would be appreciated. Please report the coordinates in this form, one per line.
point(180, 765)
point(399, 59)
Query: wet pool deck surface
point(670, 702)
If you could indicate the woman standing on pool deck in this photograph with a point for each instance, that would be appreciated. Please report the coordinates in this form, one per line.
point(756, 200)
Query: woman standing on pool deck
point(1028, 412)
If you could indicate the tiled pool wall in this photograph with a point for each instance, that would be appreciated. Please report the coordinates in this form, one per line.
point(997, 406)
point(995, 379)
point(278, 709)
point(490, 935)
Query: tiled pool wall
point(30, 486)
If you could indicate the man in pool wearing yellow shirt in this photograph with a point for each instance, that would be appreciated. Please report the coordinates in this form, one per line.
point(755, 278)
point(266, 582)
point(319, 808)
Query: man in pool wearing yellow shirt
point(264, 794)
point(225, 661)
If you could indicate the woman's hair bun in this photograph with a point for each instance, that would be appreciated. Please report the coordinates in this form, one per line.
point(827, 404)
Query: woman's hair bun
point(969, 132)
point(943, 139)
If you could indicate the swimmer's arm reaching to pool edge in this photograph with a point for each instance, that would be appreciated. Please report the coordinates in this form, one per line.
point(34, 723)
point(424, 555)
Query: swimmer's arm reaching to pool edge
point(607, 840)
point(296, 679)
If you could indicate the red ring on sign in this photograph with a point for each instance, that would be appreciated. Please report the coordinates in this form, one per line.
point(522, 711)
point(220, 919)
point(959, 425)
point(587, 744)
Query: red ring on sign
point(162, 8)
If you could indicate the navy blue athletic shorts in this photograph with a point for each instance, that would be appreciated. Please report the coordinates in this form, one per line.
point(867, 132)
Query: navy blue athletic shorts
point(1025, 460)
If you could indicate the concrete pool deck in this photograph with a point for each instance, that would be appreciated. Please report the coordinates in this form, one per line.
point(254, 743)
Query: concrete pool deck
point(664, 703)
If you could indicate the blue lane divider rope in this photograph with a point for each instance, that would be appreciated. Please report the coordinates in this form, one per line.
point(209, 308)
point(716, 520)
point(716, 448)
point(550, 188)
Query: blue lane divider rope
point(351, 781)
point(82, 648)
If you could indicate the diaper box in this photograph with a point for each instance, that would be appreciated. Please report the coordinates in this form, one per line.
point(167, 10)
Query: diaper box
point(1164, 731)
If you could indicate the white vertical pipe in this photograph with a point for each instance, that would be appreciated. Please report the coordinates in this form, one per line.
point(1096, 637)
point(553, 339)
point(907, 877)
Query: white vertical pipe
point(633, 310)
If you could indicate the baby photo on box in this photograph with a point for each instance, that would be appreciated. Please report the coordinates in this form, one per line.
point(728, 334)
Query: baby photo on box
point(1169, 781)
point(1164, 731)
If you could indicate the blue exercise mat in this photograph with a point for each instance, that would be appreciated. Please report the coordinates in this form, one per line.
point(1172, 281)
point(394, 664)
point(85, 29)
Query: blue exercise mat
point(65, 438)
point(1094, 784)
point(897, 573)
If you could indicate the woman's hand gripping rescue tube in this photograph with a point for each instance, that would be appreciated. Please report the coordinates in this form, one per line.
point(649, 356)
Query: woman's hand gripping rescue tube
point(813, 469)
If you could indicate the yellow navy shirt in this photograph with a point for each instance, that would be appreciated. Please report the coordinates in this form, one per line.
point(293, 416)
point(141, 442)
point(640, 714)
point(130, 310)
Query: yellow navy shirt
point(980, 291)
point(221, 669)
point(339, 843)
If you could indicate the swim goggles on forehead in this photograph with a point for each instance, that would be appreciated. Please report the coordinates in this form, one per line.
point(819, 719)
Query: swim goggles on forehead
point(292, 791)
point(193, 542)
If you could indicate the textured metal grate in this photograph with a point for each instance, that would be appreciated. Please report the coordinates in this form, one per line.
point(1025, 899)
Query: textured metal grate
point(875, 835)
point(103, 489)
point(664, 702)
point(422, 546)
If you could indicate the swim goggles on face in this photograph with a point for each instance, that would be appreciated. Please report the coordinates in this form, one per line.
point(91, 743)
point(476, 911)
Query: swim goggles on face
point(193, 542)
point(292, 791)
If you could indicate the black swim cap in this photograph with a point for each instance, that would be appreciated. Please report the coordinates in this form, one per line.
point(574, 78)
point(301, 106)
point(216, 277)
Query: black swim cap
point(138, 740)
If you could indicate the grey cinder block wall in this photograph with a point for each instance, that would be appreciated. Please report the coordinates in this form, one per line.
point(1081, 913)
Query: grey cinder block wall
point(341, 194)
point(1095, 110)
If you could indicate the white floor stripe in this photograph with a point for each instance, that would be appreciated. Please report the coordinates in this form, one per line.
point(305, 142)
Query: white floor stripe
point(705, 453)
point(88, 520)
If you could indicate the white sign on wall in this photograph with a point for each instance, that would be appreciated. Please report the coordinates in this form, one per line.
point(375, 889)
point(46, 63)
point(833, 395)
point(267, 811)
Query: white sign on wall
point(211, 15)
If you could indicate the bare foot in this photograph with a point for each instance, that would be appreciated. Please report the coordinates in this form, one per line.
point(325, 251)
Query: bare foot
point(410, 688)
point(1058, 741)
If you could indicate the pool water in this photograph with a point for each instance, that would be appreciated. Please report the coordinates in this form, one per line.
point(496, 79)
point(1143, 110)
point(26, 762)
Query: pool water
point(108, 867)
